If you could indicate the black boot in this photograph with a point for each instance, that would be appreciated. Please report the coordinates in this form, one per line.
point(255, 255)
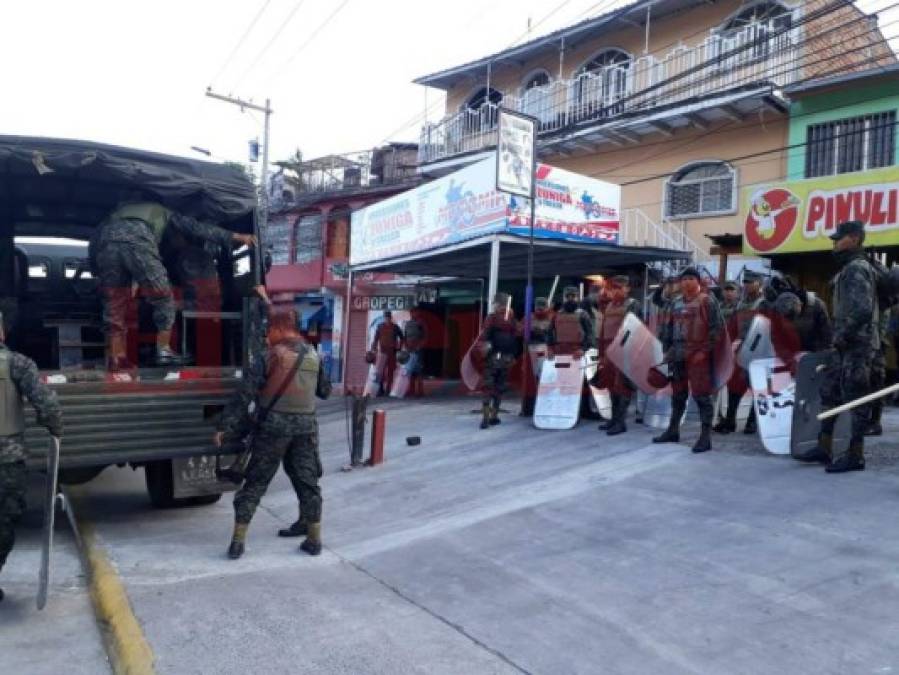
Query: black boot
point(485, 415)
point(852, 460)
point(874, 428)
point(820, 453)
point(619, 414)
point(605, 425)
point(728, 423)
point(704, 442)
point(751, 426)
point(494, 414)
point(672, 433)
point(236, 549)
point(313, 542)
point(298, 529)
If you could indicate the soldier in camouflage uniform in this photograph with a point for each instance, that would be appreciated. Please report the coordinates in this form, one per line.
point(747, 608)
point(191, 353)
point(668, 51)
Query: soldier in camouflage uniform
point(125, 250)
point(19, 380)
point(622, 389)
point(855, 338)
point(499, 341)
point(693, 327)
point(741, 318)
point(731, 291)
point(289, 432)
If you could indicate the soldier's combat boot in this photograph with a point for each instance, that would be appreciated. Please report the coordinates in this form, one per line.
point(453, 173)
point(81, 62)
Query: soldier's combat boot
point(236, 549)
point(820, 453)
point(313, 542)
point(728, 423)
point(298, 529)
point(852, 460)
point(874, 428)
point(672, 433)
point(751, 425)
point(619, 411)
point(704, 442)
point(494, 415)
point(485, 416)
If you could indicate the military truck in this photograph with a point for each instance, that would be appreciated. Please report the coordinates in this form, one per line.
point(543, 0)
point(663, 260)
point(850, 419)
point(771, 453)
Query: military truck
point(53, 195)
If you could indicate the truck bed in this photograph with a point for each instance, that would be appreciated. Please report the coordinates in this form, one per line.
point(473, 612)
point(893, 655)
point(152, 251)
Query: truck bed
point(159, 414)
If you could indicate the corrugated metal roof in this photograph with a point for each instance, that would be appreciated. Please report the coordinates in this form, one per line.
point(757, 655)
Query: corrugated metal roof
point(572, 33)
point(844, 78)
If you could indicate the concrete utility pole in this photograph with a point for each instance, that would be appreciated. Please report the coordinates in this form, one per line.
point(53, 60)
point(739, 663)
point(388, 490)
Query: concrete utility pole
point(267, 110)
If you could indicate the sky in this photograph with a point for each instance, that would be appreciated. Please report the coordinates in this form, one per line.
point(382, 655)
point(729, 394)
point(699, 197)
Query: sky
point(338, 72)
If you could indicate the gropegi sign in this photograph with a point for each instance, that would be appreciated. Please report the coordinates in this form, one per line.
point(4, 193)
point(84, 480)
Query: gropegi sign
point(466, 204)
point(799, 216)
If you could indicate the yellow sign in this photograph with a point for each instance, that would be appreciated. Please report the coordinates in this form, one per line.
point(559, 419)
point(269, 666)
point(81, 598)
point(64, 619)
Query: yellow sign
point(799, 216)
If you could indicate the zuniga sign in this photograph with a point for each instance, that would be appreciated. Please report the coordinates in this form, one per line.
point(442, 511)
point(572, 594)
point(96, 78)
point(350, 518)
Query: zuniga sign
point(465, 205)
point(799, 216)
point(383, 302)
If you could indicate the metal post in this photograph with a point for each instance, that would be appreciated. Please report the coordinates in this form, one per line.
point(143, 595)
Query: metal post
point(345, 338)
point(264, 173)
point(493, 279)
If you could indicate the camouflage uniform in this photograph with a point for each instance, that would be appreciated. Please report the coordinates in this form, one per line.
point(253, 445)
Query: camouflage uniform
point(692, 329)
point(125, 249)
point(289, 432)
point(856, 336)
point(500, 339)
point(879, 373)
point(620, 387)
point(19, 380)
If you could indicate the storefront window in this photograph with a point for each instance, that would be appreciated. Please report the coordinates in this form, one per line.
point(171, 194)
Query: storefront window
point(700, 189)
point(853, 144)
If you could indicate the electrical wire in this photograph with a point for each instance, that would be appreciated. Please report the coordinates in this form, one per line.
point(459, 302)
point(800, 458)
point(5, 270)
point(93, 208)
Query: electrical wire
point(268, 45)
point(241, 41)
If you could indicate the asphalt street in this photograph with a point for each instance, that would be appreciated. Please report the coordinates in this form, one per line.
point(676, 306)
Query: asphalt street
point(509, 550)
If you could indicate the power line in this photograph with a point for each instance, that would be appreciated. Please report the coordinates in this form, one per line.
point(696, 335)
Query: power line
point(241, 41)
point(309, 40)
point(271, 42)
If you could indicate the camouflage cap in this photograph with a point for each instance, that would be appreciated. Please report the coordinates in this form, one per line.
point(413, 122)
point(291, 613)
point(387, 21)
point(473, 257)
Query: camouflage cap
point(570, 290)
point(731, 286)
point(847, 228)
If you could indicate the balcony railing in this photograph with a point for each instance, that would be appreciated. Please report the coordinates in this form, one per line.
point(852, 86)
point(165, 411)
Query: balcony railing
point(722, 61)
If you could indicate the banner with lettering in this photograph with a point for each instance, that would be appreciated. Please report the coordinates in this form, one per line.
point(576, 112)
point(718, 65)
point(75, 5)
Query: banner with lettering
point(799, 216)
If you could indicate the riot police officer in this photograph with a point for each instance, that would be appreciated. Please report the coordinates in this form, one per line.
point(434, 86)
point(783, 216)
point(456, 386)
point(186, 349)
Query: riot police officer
point(500, 344)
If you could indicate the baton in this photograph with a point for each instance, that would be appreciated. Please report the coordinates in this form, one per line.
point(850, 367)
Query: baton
point(552, 292)
point(859, 401)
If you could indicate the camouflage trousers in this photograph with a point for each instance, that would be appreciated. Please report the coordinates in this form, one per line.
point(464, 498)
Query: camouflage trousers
point(496, 378)
point(878, 381)
point(692, 378)
point(293, 440)
point(13, 477)
point(121, 263)
point(848, 377)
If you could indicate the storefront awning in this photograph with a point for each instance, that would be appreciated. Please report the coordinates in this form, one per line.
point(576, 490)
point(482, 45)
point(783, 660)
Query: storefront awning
point(471, 259)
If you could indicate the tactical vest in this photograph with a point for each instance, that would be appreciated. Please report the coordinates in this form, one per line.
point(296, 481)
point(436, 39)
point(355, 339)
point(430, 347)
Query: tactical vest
point(569, 330)
point(12, 408)
point(299, 397)
point(156, 216)
point(501, 334)
point(691, 328)
point(539, 329)
point(613, 318)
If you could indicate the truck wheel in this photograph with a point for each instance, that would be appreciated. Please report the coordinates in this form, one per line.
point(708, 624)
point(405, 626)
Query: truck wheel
point(160, 486)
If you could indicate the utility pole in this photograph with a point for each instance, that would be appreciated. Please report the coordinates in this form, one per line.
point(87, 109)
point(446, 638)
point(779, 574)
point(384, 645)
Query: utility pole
point(267, 110)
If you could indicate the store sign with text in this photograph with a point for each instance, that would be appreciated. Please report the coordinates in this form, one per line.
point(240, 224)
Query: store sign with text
point(381, 303)
point(799, 216)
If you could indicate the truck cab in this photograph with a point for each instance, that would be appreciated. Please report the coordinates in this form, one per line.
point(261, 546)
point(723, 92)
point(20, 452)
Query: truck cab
point(53, 196)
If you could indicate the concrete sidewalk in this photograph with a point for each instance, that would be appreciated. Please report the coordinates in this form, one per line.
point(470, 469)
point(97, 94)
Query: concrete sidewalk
point(515, 550)
point(63, 638)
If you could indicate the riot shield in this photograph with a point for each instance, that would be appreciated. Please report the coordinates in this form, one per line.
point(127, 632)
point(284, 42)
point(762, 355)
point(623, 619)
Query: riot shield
point(773, 392)
point(724, 360)
point(403, 378)
point(634, 351)
point(757, 343)
point(805, 427)
point(559, 393)
point(375, 372)
point(600, 399)
point(470, 375)
point(50, 499)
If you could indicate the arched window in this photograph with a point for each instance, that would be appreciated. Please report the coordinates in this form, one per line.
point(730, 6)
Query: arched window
point(701, 189)
point(764, 25)
point(536, 97)
point(609, 83)
point(477, 100)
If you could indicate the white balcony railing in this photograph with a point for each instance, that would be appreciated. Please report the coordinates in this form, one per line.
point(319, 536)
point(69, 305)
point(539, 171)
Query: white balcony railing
point(722, 61)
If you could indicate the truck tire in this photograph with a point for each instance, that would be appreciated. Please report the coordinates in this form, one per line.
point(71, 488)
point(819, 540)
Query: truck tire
point(161, 488)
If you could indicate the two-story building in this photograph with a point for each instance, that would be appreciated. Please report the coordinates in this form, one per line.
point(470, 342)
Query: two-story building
point(308, 234)
point(681, 102)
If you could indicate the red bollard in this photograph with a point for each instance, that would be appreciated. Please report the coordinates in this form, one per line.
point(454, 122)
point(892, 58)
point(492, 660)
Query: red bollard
point(378, 427)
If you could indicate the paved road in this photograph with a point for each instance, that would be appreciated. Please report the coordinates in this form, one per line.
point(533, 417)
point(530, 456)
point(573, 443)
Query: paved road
point(512, 550)
point(63, 638)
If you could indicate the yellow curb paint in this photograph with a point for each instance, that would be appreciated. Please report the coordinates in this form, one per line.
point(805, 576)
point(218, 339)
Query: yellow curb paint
point(128, 649)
